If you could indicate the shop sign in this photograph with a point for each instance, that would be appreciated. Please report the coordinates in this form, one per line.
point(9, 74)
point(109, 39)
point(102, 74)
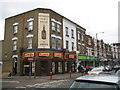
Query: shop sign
point(44, 54)
point(29, 54)
point(71, 56)
point(58, 55)
point(86, 58)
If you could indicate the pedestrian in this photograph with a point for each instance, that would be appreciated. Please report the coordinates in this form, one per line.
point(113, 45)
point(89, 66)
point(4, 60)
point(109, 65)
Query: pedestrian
point(87, 68)
point(80, 68)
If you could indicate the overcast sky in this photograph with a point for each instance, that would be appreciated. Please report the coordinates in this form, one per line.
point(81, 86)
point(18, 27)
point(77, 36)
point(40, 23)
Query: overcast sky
point(94, 15)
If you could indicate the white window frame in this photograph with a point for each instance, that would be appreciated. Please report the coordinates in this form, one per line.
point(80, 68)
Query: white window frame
point(67, 44)
point(14, 45)
point(15, 27)
point(67, 31)
point(72, 33)
point(58, 28)
point(30, 24)
point(53, 40)
point(29, 42)
point(59, 44)
point(53, 26)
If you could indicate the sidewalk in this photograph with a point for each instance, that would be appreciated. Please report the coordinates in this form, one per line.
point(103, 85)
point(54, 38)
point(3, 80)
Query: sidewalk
point(54, 77)
point(23, 81)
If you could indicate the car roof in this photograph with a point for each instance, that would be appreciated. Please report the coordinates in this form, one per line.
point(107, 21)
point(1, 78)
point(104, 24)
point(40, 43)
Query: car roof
point(100, 78)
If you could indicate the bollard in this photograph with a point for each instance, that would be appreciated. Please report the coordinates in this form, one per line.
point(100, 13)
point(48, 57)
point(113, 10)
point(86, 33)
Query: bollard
point(50, 75)
point(70, 74)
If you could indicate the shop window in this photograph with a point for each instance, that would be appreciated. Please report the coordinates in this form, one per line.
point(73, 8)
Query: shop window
point(53, 67)
point(53, 43)
point(29, 42)
point(14, 45)
point(67, 44)
point(59, 67)
point(66, 66)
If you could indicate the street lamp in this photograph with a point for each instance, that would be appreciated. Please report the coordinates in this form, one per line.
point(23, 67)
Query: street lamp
point(96, 42)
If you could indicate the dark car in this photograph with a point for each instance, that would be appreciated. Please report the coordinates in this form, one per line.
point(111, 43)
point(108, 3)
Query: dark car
point(116, 68)
point(93, 82)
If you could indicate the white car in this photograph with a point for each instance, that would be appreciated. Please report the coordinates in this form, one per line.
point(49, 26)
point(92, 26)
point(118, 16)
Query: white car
point(97, 70)
point(96, 82)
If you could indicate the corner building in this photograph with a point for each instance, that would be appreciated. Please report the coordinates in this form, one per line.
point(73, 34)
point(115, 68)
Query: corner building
point(33, 43)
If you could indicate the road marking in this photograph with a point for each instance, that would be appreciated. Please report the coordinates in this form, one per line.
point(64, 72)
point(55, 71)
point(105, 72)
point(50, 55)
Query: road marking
point(10, 81)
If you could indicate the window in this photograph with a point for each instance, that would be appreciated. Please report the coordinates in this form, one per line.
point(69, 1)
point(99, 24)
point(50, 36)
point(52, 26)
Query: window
point(58, 27)
point(14, 45)
point(78, 47)
point(72, 33)
point(66, 29)
point(89, 41)
point(79, 36)
point(53, 26)
point(67, 44)
point(83, 49)
point(59, 44)
point(30, 42)
point(15, 29)
point(72, 45)
point(53, 43)
point(30, 25)
point(82, 38)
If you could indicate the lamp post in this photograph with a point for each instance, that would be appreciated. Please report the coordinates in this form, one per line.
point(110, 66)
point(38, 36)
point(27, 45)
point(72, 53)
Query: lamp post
point(96, 42)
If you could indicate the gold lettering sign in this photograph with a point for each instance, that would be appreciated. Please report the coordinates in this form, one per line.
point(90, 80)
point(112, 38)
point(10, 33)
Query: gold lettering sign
point(58, 55)
point(29, 55)
point(44, 54)
point(71, 56)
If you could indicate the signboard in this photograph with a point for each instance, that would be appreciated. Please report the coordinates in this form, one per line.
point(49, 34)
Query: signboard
point(43, 30)
point(44, 54)
point(29, 55)
point(71, 56)
point(58, 55)
point(30, 59)
point(86, 58)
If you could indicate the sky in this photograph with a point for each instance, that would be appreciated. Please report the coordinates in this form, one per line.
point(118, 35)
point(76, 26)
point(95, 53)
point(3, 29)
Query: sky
point(95, 16)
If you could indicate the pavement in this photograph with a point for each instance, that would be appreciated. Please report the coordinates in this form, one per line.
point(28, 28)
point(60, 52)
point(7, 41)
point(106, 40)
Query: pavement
point(23, 81)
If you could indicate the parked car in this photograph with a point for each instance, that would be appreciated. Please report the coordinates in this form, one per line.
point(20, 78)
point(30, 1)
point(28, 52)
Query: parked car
point(97, 70)
point(116, 68)
point(93, 82)
point(108, 68)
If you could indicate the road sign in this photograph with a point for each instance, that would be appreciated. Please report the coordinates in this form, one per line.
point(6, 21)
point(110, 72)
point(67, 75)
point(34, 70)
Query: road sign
point(30, 59)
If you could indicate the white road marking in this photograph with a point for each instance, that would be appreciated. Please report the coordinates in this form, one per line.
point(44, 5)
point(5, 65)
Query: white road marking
point(10, 81)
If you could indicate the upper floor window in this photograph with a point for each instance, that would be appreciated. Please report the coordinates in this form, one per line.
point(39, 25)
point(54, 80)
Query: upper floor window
point(30, 24)
point(53, 41)
point(59, 44)
point(15, 28)
point(66, 29)
point(58, 28)
point(82, 37)
point(72, 33)
point(89, 41)
point(78, 47)
point(29, 42)
point(67, 44)
point(72, 45)
point(14, 45)
point(53, 26)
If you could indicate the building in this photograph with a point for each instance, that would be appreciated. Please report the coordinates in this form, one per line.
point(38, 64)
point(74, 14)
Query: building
point(38, 43)
point(1, 42)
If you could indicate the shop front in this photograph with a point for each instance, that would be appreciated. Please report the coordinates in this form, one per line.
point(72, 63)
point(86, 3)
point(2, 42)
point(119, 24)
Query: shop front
point(43, 62)
point(86, 60)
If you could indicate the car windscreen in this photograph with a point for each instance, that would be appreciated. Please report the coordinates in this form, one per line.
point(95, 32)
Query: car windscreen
point(93, 84)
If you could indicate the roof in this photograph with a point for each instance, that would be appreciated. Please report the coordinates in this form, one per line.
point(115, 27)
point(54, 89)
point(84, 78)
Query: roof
point(49, 10)
point(100, 78)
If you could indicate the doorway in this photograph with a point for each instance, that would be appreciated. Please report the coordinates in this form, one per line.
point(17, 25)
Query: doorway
point(44, 67)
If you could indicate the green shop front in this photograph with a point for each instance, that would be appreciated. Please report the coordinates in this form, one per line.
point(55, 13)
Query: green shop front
point(87, 60)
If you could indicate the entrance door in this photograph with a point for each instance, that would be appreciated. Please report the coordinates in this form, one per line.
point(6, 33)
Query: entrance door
point(26, 68)
point(44, 67)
